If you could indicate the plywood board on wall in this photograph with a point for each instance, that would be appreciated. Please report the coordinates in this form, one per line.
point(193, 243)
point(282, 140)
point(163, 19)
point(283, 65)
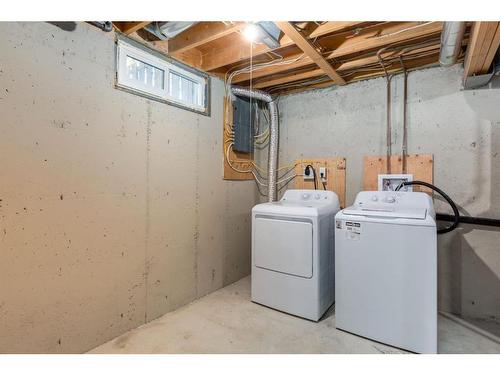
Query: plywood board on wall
point(421, 166)
point(239, 161)
point(335, 176)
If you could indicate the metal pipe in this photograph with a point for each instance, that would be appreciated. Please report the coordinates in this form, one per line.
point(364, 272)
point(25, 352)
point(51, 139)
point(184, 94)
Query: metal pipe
point(272, 170)
point(389, 125)
point(388, 108)
point(106, 26)
point(451, 42)
point(405, 99)
point(470, 220)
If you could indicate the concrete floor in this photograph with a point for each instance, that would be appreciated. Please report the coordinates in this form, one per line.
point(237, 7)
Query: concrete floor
point(227, 322)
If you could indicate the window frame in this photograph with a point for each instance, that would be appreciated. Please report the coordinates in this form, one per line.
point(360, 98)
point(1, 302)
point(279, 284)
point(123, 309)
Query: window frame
point(192, 77)
point(145, 58)
point(136, 50)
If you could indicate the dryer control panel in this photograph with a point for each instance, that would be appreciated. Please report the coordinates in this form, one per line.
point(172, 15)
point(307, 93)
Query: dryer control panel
point(298, 195)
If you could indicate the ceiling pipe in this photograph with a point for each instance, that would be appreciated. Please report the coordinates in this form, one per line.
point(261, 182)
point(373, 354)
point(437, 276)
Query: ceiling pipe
point(165, 30)
point(106, 26)
point(451, 42)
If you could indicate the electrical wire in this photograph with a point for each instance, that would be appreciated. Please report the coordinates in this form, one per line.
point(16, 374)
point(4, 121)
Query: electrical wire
point(262, 138)
point(286, 184)
point(341, 49)
point(280, 60)
point(314, 175)
point(254, 67)
point(255, 172)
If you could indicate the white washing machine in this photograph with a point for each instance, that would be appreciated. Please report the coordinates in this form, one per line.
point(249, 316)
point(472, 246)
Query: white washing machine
point(293, 253)
point(386, 269)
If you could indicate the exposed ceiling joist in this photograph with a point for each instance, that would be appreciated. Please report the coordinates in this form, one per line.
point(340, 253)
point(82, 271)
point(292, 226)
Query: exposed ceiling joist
point(484, 43)
point(287, 77)
point(371, 38)
point(310, 51)
point(314, 54)
point(428, 61)
point(241, 50)
point(199, 34)
point(131, 27)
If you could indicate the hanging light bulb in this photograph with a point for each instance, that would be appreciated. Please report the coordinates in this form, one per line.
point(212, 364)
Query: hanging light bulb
point(251, 32)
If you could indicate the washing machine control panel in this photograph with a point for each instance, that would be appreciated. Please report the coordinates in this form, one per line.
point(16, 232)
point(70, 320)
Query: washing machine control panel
point(377, 198)
point(390, 200)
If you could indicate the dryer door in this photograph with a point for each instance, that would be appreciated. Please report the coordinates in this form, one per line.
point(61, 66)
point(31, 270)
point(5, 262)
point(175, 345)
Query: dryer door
point(284, 246)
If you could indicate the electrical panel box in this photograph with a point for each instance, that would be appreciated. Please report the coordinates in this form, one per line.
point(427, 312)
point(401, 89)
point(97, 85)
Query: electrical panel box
point(243, 125)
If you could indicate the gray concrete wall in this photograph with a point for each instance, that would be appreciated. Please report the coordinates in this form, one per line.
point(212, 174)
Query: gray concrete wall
point(462, 130)
point(113, 210)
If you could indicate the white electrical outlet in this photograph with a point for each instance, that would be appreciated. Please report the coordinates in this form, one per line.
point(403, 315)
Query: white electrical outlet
point(310, 176)
point(322, 173)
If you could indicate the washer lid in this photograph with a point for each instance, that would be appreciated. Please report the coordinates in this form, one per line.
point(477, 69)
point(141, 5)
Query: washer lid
point(403, 213)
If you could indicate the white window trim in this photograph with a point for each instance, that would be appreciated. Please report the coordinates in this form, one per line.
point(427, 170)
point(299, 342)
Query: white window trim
point(125, 49)
point(196, 78)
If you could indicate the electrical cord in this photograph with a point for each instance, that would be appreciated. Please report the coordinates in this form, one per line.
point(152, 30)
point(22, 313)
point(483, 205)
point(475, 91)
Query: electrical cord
point(314, 175)
point(444, 195)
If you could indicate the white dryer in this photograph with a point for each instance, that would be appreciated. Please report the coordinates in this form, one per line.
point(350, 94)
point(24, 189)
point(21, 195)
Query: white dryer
point(386, 269)
point(293, 253)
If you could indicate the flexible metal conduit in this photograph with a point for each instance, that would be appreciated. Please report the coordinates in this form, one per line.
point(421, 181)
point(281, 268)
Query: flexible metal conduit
point(451, 42)
point(272, 169)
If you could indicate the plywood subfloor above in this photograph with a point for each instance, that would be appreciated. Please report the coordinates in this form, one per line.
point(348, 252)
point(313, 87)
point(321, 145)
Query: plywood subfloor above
point(307, 54)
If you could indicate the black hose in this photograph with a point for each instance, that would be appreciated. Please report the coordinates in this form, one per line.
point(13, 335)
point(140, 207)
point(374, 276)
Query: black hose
point(444, 195)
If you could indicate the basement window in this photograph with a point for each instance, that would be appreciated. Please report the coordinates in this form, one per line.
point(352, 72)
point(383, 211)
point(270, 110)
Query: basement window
point(147, 74)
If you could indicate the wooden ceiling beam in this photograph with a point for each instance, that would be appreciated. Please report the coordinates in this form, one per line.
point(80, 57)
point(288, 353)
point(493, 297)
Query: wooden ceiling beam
point(131, 27)
point(483, 45)
point(342, 67)
point(366, 40)
point(199, 34)
point(310, 51)
point(424, 62)
point(240, 49)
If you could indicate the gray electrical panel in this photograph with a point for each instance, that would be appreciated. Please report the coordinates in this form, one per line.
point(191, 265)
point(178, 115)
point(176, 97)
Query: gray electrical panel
point(243, 125)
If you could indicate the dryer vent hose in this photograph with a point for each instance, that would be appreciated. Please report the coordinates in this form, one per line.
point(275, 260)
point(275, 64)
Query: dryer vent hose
point(444, 195)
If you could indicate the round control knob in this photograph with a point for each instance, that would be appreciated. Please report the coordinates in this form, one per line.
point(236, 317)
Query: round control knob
point(374, 198)
point(317, 196)
point(391, 199)
point(305, 196)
